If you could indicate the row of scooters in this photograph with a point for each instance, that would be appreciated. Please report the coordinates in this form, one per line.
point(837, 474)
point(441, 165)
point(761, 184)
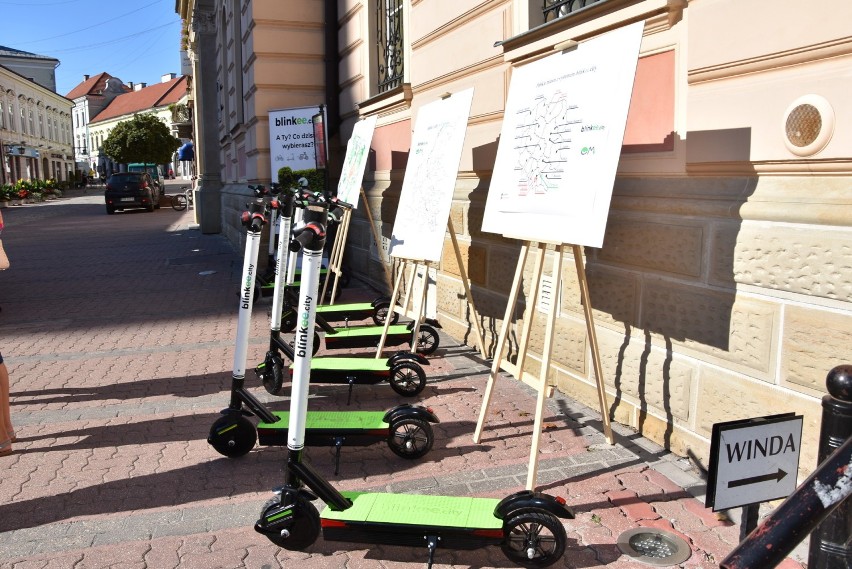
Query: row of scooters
point(525, 524)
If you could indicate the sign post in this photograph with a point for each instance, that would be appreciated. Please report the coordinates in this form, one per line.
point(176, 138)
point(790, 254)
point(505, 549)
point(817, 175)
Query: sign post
point(753, 461)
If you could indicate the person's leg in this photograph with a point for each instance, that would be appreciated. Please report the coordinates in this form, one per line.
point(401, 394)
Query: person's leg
point(7, 433)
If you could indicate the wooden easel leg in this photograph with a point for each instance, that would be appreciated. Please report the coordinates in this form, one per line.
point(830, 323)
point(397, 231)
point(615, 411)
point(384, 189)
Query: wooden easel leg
point(501, 341)
point(467, 293)
point(391, 308)
point(529, 315)
point(543, 386)
point(593, 342)
point(376, 239)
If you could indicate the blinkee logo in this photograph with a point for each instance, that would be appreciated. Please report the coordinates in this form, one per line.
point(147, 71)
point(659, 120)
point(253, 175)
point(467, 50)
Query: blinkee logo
point(302, 334)
point(246, 296)
point(291, 121)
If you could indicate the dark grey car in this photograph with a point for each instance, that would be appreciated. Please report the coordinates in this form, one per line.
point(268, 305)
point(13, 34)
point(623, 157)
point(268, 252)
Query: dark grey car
point(125, 190)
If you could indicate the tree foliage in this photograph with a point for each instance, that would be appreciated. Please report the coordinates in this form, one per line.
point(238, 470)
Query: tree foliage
point(144, 138)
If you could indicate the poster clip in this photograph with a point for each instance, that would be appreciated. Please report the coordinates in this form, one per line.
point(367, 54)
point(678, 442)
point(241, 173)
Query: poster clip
point(566, 45)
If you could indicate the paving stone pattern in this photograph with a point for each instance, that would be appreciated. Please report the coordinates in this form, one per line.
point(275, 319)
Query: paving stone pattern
point(118, 333)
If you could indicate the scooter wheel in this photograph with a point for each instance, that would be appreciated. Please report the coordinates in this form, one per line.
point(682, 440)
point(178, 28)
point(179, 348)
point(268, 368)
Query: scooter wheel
point(534, 539)
point(314, 349)
point(232, 435)
point(272, 375)
point(288, 321)
point(410, 438)
point(301, 532)
point(407, 378)
point(380, 313)
point(427, 339)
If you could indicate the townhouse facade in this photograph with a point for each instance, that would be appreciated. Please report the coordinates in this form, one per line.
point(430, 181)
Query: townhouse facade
point(35, 122)
point(160, 100)
point(723, 289)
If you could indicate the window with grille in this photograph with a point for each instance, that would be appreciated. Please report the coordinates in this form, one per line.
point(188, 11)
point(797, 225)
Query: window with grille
point(389, 40)
point(553, 9)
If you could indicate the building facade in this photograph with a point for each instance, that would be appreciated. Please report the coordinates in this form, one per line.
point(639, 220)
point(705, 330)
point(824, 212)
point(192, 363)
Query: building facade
point(723, 289)
point(35, 131)
point(159, 100)
point(91, 97)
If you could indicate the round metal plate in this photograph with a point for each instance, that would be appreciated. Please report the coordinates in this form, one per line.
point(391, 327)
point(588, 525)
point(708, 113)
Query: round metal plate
point(654, 546)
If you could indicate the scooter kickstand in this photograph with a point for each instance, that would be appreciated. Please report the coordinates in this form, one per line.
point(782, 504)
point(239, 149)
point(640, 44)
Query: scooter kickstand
point(338, 443)
point(351, 384)
point(431, 545)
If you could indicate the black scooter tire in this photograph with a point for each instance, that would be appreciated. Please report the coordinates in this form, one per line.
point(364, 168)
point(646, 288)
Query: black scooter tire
point(407, 378)
point(303, 532)
point(535, 531)
point(410, 438)
point(232, 435)
point(427, 340)
point(272, 375)
point(380, 313)
point(288, 321)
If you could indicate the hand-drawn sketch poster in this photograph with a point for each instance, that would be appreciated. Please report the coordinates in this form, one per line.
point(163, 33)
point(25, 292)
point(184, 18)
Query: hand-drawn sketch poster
point(430, 178)
point(357, 152)
point(561, 140)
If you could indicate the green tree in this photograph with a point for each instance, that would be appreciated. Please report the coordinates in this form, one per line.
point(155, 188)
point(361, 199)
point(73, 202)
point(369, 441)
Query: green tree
point(144, 138)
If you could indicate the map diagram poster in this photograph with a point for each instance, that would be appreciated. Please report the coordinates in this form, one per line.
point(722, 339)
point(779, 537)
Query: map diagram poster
point(561, 140)
point(357, 152)
point(430, 178)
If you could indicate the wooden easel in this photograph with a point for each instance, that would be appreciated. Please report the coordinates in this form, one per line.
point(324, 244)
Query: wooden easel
point(540, 384)
point(418, 312)
point(335, 259)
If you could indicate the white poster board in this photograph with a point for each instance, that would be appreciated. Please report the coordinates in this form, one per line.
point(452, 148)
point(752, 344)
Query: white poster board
point(357, 152)
point(430, 178)
point(561, 140)
point(291, 139)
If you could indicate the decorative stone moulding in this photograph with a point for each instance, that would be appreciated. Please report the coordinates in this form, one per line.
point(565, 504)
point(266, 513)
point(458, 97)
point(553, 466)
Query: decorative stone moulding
point(808, 125)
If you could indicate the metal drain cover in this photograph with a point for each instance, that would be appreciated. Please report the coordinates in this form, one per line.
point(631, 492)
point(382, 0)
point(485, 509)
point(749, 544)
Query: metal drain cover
point(654, 546)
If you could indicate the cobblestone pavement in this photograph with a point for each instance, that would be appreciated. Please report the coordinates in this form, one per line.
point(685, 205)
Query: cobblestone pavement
point(118, 332)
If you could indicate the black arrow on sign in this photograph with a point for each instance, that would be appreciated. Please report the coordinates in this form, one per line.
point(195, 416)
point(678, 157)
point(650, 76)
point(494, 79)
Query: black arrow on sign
point(777, 476)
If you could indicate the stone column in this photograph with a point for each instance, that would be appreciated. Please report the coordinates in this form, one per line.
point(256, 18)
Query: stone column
point(208, 168)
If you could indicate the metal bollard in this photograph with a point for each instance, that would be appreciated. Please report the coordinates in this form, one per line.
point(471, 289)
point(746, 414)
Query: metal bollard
point(823, 497)
point(830, 547)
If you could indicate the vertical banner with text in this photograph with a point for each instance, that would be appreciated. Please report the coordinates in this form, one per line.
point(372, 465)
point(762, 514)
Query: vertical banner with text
point(291, 139)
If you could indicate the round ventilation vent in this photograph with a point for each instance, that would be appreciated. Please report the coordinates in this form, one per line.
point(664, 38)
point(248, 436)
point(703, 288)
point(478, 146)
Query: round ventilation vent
point(808, 125)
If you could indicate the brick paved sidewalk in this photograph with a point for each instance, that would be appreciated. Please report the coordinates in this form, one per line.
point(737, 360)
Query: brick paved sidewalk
point(118, 333)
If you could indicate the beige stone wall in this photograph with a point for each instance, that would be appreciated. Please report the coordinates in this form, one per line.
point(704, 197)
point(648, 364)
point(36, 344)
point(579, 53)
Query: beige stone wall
point(722, 290)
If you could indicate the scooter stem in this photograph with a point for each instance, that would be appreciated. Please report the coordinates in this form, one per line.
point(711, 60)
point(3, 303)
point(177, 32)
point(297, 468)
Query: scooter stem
point(255, 226)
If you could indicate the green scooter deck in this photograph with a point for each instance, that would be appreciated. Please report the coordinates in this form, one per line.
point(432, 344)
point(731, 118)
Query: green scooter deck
point(418, 510)
point(331, 420)
point(354, 364)
point(348, 307)
point(328, 428)
point(369, 331)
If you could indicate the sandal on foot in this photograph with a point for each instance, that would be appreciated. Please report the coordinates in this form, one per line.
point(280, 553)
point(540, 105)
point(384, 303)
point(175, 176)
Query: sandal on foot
point(6, 450)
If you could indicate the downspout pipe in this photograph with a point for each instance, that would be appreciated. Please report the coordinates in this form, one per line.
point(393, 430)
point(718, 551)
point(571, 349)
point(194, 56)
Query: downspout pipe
point(332, 78)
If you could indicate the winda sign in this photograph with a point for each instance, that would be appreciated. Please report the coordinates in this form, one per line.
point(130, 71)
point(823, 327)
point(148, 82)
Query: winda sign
point(753, 460)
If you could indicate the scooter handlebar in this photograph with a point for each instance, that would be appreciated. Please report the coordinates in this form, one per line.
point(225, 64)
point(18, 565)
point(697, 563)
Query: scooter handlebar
point(303, 236)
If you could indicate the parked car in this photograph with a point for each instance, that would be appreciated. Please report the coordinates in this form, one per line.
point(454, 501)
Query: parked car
point(125, 190)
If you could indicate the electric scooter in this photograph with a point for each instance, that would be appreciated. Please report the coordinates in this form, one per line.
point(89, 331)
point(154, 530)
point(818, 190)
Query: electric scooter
point(406, 428)
point(524, 524)
point(403, 370)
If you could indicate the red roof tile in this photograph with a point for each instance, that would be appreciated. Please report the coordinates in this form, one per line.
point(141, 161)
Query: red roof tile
point(158, 95)
point(92, 86)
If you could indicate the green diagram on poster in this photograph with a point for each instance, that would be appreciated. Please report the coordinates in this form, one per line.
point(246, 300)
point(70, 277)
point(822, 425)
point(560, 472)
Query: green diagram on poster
point(357, 152)
point(430, 178)
point(561, 140)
